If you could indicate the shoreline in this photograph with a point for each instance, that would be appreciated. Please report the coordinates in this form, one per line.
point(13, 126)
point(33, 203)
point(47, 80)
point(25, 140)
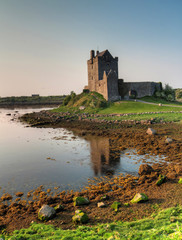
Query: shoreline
point(20, 213)
point(27, 105)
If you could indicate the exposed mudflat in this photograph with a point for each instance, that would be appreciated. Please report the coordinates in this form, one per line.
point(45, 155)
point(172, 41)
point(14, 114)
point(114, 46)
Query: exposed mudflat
point(20, 213)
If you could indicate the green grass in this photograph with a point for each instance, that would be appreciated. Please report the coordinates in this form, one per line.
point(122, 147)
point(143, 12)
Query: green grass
point(157, 100)
point(167, 224)
point(136, 107)
point(140, 111)
point(134, 110)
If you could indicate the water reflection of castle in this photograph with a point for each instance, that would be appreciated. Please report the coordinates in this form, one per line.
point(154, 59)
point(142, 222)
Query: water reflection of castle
point(103, 159)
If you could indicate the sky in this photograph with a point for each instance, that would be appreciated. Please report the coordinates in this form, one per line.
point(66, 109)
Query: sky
point(45, 44)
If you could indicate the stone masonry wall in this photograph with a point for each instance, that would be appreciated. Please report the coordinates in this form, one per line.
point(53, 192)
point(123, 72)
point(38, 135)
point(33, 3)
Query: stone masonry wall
point(142, 88)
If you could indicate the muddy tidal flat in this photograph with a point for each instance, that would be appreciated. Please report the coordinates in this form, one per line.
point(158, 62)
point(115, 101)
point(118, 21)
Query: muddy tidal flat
point(113, 145)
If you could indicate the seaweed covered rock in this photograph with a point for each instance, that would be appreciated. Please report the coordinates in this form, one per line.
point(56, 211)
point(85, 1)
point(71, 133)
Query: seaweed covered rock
point(59, 208)
point(115, 206)
point(78, 201)
point(161, 179)
point(139, 197)
point(46, 212)
point(80, 217)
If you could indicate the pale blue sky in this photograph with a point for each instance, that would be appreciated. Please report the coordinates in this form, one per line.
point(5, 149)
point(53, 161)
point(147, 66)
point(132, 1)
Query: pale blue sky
point(44, 44)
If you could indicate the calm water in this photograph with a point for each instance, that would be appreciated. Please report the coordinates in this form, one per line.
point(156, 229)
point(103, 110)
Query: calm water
point(30, 157)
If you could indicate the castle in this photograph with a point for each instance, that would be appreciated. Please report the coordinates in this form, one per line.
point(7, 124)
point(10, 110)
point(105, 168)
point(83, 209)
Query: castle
point(103, 78)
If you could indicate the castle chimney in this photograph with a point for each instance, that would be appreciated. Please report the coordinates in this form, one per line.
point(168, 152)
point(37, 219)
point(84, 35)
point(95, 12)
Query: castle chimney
point(92, 54)
point(97, 52)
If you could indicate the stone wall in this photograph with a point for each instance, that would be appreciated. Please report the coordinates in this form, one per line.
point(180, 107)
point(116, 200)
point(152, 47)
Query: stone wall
point(142, 89)
point(93, 71)
point(112, 86)
point(106, 64)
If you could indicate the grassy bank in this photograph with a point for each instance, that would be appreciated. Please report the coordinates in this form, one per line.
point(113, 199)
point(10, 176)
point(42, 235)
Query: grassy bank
point(93, 103)
point(166, 224)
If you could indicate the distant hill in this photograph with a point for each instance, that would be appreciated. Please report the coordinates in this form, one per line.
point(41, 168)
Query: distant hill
point(31, 100)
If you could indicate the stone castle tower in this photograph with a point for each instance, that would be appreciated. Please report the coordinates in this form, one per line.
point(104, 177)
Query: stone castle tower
point(103, 74)
point(103, 78)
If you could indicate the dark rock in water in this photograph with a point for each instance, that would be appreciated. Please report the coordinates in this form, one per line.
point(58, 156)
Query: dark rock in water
point(145, 169)
point(46, 212)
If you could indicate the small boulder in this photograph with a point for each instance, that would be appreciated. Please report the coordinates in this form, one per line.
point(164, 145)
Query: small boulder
point(161, 179)
point(145, 169)
point(81, 107)
point(80, 217)
point(139, 197)
point(151, 131)
point(46, 212)
point(58, 208)
point(101, 204)
point(168, 140)
point(78, 201)
point(115, 206)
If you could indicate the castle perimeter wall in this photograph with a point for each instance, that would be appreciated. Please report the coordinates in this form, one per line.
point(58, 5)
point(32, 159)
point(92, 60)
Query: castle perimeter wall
point(142, 89)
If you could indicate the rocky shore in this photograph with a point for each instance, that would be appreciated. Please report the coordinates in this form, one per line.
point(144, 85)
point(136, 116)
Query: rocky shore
point(47, 117)
point(159, 181)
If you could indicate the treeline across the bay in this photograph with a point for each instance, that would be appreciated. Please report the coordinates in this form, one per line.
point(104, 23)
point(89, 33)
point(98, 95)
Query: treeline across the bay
point(32, 100)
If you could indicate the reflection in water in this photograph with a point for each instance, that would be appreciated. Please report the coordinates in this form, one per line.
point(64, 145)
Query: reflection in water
point(103, 160)
point(31, 157)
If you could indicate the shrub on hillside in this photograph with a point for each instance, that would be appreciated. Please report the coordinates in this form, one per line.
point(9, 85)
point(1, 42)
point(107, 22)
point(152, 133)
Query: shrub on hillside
point(167, 93)
point(69, 98)
point(179, 94)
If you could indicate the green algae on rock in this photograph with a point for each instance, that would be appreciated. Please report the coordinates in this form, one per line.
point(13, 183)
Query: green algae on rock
point(78, 201)
point(115, 206)
point(80, 217)
point(139, 197)
point(161, 179)
point(180, 181)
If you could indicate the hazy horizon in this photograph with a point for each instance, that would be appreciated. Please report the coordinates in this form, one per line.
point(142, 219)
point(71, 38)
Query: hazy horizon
point(45, 44)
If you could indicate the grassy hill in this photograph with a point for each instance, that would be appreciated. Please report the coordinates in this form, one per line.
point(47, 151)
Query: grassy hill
point(94, 103)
